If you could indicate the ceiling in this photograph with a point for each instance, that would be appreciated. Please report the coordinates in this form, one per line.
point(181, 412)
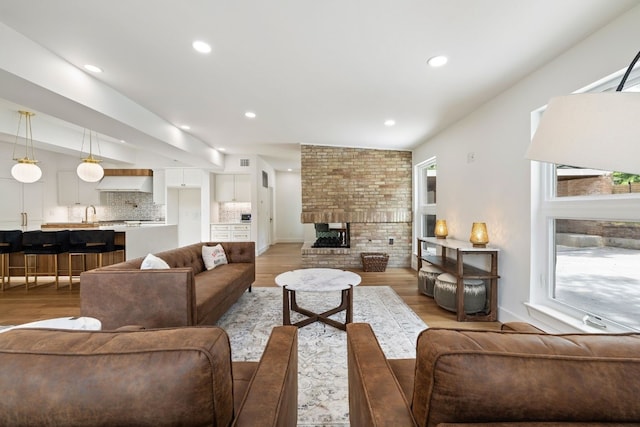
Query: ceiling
point(314, 72)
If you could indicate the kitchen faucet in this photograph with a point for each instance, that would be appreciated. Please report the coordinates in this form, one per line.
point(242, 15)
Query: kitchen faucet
point(86, 213)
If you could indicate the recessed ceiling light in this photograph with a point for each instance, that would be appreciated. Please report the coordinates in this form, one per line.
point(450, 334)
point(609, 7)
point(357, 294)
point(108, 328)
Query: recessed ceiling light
point(123, 141)
point(222, 149)
point(92, 68)
point(185, 127)
point(250, 114)
point(437, 61)
point(289, 170)
point(201, 46)
point(390, 122)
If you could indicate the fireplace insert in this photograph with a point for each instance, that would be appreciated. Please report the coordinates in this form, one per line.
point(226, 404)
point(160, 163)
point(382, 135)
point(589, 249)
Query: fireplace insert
point(331, 236)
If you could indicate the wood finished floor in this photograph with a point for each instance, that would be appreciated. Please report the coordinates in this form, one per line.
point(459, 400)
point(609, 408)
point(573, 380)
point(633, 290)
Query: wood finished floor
point(43, 302)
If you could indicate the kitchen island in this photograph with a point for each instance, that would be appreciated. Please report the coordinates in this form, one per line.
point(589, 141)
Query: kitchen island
point(138, 239)
point(146, 238)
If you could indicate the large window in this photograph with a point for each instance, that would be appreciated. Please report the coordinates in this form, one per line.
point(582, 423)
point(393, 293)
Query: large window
point(586, 241)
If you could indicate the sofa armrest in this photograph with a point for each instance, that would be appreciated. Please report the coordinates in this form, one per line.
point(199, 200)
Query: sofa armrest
point(149, 298)
point(272, 395)
point(375, 396)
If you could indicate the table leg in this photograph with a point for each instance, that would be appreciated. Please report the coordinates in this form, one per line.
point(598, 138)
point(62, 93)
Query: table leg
point(346, 304)
point(349, 316)
point(286, 312)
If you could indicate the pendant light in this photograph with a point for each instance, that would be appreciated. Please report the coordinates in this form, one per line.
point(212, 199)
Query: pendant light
point(591, 130)
point(26, 170)
point(90, 170)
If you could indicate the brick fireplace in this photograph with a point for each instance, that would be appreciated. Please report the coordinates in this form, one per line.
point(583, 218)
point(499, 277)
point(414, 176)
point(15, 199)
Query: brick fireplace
point(371, 190)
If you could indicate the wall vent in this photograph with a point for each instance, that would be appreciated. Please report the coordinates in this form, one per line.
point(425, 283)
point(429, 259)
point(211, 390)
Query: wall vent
point(244, 163)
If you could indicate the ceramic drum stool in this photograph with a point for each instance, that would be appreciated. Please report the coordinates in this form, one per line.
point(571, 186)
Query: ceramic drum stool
point(427, 278)
point(475, 293)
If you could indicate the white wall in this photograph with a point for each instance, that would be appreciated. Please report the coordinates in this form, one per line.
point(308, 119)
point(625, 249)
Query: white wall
point(288, 205)
point(49, 163)
point(495, 188)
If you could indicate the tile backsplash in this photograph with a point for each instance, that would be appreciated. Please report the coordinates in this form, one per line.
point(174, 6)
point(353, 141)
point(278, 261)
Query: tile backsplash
point(117, 206)
point(230, 211)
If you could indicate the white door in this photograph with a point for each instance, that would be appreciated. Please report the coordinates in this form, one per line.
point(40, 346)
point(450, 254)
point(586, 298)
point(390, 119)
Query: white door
point(264, 219)
point(188, 216)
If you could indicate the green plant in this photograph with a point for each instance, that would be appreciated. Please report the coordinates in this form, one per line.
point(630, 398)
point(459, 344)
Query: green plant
point(625, 178)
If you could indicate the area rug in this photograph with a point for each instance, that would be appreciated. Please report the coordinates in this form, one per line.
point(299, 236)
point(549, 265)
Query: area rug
point(323, 398)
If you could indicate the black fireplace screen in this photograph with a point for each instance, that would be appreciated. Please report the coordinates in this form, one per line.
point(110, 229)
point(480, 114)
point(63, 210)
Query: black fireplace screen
point(331, 236)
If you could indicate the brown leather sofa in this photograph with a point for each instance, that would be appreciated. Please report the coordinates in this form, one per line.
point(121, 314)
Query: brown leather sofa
point(162, 377)
point(187, 294)
point(495, 378)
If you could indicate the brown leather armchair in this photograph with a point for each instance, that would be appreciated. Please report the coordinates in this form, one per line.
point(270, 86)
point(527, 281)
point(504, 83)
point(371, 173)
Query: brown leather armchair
point(517, 375)
point(179, 376)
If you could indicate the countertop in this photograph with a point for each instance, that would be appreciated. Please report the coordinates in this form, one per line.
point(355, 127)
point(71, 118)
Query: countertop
point(231, 223)
point(102, 225)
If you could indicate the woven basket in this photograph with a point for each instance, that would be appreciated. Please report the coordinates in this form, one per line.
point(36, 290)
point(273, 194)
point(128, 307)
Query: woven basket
point(374, 261)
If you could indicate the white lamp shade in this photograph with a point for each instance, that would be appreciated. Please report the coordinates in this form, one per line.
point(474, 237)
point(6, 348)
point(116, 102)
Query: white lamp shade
point(590, 130)
point(90, 171)
point(27, 172)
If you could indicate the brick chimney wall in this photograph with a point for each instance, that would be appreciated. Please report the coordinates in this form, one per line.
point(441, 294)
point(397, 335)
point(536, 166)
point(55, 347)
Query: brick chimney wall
point(370, 189)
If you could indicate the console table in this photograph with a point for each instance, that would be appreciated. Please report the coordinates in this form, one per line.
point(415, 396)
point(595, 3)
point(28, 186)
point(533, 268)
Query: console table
point(450, 257)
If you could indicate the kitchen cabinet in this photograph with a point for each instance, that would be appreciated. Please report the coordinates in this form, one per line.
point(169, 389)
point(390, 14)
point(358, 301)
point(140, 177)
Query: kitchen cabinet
point(220, 233)
point(240, 232)
point(159, 187)
point(183, 177)
point(439, 256)
point(233, 188)
point(74, 191)
point(22, 206)
point(230, 232)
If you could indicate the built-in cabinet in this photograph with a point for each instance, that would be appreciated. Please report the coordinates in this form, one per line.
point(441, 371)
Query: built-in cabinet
point(22, 206)
point(233, 188)
point(183, 178)
point(230, 232)
point(74, 191)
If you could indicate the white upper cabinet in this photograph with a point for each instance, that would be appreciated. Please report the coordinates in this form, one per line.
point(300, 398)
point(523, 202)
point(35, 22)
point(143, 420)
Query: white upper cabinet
point(183, 178)
point(233, 188)
point(242, 188)
point(74, 191)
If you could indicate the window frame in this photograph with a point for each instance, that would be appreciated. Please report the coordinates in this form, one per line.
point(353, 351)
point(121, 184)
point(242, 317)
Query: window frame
point(546, 207)
point(422, 206)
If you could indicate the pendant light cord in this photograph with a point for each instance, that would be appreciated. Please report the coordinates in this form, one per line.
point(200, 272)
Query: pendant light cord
point(626, 74)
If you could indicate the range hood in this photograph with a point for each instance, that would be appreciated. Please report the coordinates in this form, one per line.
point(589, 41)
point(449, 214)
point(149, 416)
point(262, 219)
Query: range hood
point(132, 180)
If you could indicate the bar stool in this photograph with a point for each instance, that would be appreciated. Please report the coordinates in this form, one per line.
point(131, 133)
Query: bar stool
point(118, 248)
point(84, 242)
point(39, 243)
point(10, 242)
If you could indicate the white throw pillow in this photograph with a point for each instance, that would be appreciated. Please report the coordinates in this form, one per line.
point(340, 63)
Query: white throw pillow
point(152, 262)
point(213, 256)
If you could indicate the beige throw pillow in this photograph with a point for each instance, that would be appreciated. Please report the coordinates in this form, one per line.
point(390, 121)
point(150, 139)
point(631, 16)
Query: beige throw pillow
point(213, 256)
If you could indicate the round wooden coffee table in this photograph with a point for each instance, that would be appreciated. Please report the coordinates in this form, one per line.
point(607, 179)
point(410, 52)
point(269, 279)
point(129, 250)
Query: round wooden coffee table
point(317, 280)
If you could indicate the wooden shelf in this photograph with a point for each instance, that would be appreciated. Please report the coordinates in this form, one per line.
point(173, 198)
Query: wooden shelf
point(456, 266)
